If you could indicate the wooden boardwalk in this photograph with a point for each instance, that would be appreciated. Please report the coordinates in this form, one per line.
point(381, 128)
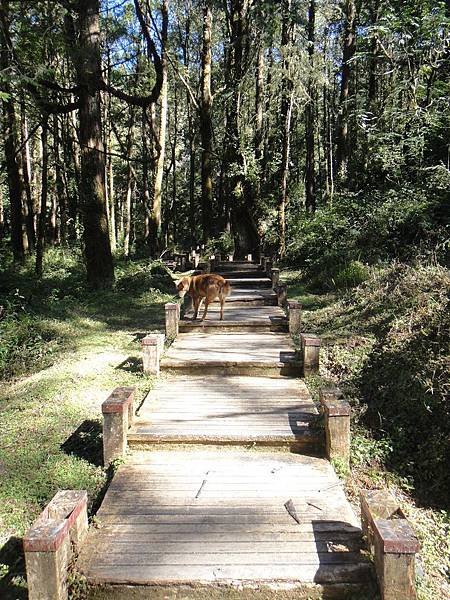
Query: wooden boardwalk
point(177, 516)
point(224, 502)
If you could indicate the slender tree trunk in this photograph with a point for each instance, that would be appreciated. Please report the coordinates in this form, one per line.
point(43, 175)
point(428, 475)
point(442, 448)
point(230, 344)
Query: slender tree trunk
point(206, 130)
point(43, 207)
point(259, 117)
point(349, 49)
point(310, 110)
point(60, 188)
point(13, 166)
point(97, 248)
point(26, 165)
point(287, 33)
point(155, 228)
point(2, 215)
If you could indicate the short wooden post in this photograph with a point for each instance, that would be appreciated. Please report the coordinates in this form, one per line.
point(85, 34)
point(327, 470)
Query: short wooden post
point(218, 259)
point(269, 265)
point(275, 276)
point(212, 263)
point(295, 317)
point(118, 415)
point(337, 424)
point(172, 319)
point(261, 259)
point(48, 544)
point(311, 351)
point(249, 258)
point(152, 347)
point(195, 259)
point(394, 545)
point(282, 294)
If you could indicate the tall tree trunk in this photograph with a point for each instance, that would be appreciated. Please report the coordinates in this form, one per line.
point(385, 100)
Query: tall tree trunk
point(155, 229)
point(2, 215)
point(87, 62)
point(237, 188)
point(287, 33)
point(349, 49)
point(40, 243)
point(259, 118)
point(12, 160)
point(310, 111)
point(206, 130)
point(60, 189)
point(26, 166)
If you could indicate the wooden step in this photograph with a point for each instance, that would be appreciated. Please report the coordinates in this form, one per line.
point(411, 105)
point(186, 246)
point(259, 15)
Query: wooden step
point(252, 297)
point(256, 283)
point(208, 518)
point(237, 318)
point(254, 274)
point(233, 410)
point(263, 353)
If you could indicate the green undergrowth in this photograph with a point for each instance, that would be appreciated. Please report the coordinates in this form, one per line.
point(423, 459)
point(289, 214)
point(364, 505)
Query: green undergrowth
point(386, 343)
point(63, 349)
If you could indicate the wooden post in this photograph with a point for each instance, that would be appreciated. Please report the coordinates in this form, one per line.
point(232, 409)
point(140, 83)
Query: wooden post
point(311, 351)
point(337, 424)
point(249, 258)
point(48, 544)
point(152, 347)
point(261, 260)
point(295, 317)
point(212, 263)
point(282, 294)
point(275, 276)
point(172, 319)
point(393, 542)
point(218, 259)
point(269, 265)
point(118, 415)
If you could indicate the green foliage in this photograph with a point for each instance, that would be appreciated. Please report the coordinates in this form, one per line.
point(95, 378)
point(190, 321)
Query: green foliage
point(351, 275)
point(332, 245)
point(224, 243)
point(144, 275)
point(388, 346)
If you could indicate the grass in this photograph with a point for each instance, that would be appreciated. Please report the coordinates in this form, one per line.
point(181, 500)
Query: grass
point(385, 339)
point(50, 428)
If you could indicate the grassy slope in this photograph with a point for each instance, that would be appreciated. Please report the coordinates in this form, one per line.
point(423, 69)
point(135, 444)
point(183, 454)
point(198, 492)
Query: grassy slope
point(50, 427)
point(350, 326)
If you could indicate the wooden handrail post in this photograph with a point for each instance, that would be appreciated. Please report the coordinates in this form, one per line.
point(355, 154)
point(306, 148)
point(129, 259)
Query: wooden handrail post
point(172, 310)
point(295, 317)
point(311, 353)
point(393, 542)
point(337, 424)
point(282, 294)
point(118, 416)
point(48, 544)
point(152, 348)
point(275, 276)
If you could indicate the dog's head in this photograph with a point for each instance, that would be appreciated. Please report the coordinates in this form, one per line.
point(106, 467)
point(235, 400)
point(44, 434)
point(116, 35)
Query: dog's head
point(183, 286)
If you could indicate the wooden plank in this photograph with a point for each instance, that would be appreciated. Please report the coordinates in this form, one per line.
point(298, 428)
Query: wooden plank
point(228, 558)
point(139, 575)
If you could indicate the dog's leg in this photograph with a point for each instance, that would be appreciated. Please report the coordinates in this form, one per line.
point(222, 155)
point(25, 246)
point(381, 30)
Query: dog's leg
point(222, 305)
point(206, 309)
point(196, 306)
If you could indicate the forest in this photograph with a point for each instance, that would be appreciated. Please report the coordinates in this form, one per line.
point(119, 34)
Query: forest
point(316, 132)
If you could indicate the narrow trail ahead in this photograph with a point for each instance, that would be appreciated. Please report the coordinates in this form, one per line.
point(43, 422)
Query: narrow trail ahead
point(213, 494)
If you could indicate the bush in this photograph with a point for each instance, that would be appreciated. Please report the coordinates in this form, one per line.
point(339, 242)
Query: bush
point(369, 228)
point(351, 276)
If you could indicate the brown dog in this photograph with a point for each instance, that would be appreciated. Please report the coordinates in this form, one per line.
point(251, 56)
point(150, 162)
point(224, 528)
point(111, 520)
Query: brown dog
point(208, 286)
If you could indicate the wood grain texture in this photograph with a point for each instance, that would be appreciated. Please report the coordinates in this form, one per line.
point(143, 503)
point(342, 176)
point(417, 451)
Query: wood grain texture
point(198, 515)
